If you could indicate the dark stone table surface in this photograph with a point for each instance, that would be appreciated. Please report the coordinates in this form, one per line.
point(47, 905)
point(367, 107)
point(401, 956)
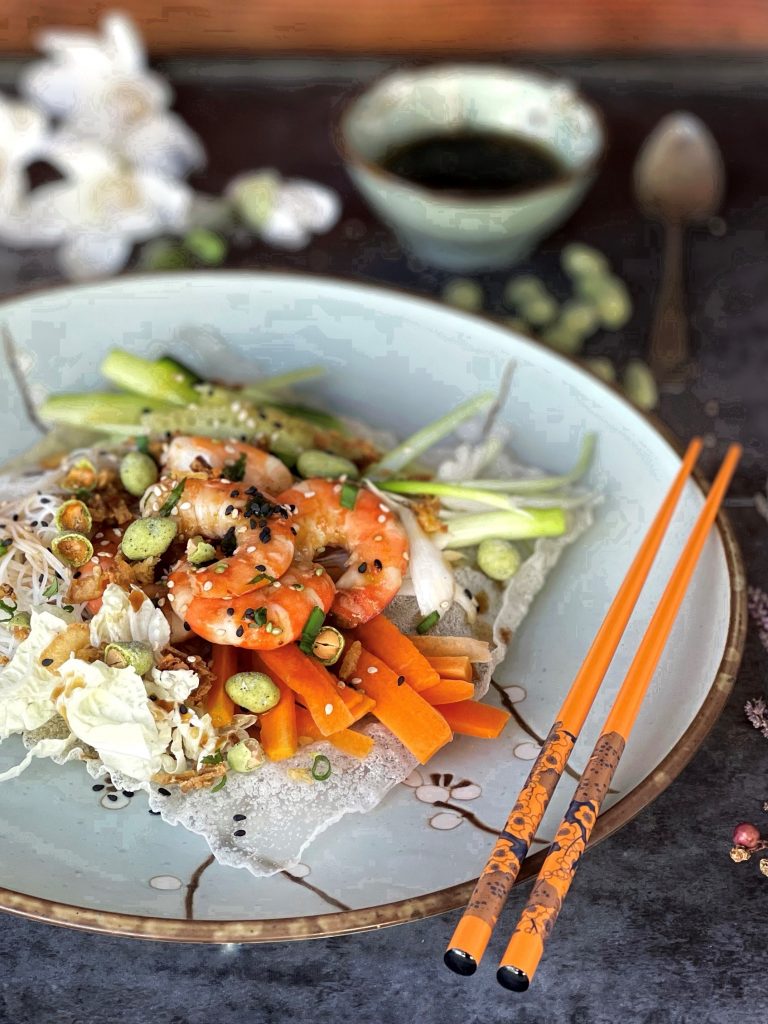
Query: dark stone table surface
point(661, 928)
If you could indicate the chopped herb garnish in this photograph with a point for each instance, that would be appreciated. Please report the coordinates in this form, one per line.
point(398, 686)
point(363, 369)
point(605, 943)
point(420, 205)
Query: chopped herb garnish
point(216, 758)
point(321, 768)
point(52, 589)
point(427, 623)
point(312, 627)
point(220, 784)
point(142, 444)
point(263, 576)
point(229, 542)
point(83, 493)
point(9, 609)
point(235, 471)
point(348, 495)
point(173, 499)
point(256, 616)
point(67, 607)
point(4, 547)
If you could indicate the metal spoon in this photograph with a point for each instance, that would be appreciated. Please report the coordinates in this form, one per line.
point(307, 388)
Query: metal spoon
point(679, 179)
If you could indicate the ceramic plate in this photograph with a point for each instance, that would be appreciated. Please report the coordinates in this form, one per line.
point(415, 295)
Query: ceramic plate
point(99, 860)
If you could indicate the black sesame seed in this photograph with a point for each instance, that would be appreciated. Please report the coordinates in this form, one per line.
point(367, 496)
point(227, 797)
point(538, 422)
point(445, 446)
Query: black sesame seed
point(33, 523)
point(260, 568)
point(239, 631)
point(46, 662)
point(187, 627)
point(278, 424)
point(363, 567)
point(468, 593)
point(234, 494)
point(164, 792)
point(45, 501)
point(229, 509)
point(294, 531)
point(252, 524)
point(76, 575)
point(157, 813)
point(266, 535)
point(400, 680)
point(238, 817)
point(153, 696)
point(230, 611)
point(112, 797)
point(128, 793)
point(16, 517)
point(98, 787)
point(41, 577)
point(239, 832)
point(183, 709)
point(377, 564)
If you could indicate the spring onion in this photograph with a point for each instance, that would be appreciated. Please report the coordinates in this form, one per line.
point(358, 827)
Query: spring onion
point(52, 589)
point(428, 622)
point(446, 490)
point(261, 576)
point(348, 495)
point(7, 609)
point(173, 499)
point(428, 436)
point(315, 416)
point(467, 530)
point(106, 411)
point(280, 381)
point(180, 369)
point(142, 444)
point(537, 485)
point(321, 768)
point(220, 784)
point(235, 471)
point(312, 627)
point(162, 379)
point(5, 547)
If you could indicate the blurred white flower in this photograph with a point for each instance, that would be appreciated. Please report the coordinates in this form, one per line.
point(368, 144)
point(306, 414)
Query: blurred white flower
point(101, 89)
point(284, 212)
point(99, 210)
point(23, 137)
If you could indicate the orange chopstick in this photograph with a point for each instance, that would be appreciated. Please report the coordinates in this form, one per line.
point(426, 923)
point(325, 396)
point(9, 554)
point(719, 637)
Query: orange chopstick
point(537, 920)
point(470, 939)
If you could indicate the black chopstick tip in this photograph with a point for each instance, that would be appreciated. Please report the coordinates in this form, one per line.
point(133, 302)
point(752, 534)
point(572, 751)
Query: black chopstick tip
point(512, 978)
point(460, 962)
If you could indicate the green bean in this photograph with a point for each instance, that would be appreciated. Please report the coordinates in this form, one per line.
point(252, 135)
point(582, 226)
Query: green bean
point(130, 654)
point(318, 463)
point(73, 549)
point(498, 559)
point(146, 538)
point(254, 691)
point(138, 472)
point(73, 516)
point(245, 756)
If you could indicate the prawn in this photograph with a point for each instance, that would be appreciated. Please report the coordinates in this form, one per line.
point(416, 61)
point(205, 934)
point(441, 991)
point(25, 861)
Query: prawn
point(263, 620)
point(374, 538)
point(245, 463)
point(253, 532)
point(90, 581)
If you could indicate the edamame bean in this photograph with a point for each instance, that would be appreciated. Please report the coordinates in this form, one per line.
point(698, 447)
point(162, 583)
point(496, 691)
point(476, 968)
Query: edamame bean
point(464, 294)
point(613, 304)
point(540, 311)
point(639, 385)
point(559, 337)
point(603, 368)
point(245, 756)
point(74, 516)
point(525, 288)
point(317, 463)
point(516, 323)
point(73, 549)
point(146, 538)
point(254, 691)
point(579, 260)
point(578, 317)
point(130, 654)
point(138, 472)
point(498, 559)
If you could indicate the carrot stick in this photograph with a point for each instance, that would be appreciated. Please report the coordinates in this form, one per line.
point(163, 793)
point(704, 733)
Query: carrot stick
point(418, 726)
point(356, 744)
point(383, 639)
point(351, 697)
point(219, 705)
point(279, 736)
point(470, 718)
point(449, 691)
point(452, 666)
point(316, 686)
point(439, 646)
point(366, 705)
point(305, 724)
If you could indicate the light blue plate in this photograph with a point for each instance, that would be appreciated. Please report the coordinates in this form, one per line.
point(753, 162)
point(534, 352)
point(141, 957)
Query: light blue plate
point(77, 857)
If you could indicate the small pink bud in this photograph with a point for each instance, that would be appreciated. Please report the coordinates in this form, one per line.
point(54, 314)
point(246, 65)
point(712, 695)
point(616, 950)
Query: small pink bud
point(746, 834)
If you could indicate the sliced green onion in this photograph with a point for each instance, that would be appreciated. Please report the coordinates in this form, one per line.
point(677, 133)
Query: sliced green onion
point(235, 471)
point(8, 609)
point(220, 784)
point(142, 444)
point(107, 411)
point(316, 416)
point(279, 381)
point(348, 495)
point(321, 768)
point(216, 758)
point(161, 379)
point(260, 577)
point(180, 369)
point(467, 530)
point(52, 589)
point(445, 490)
point(312, 627)
point(428, 436)
point(173, 499)
point(5, 547)
point(428, 622)
point(543, 484)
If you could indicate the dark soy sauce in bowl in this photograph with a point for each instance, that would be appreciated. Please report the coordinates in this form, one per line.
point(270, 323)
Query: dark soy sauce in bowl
point(474, 162)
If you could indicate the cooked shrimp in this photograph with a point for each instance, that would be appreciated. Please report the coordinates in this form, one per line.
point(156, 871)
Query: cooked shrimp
point(270, 618)
point(90, 581)
point(256, 533)
point(375, 540)
point(259, 468)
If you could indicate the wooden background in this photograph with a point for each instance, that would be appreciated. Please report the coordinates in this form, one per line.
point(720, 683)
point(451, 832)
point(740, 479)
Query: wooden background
point(387, 26)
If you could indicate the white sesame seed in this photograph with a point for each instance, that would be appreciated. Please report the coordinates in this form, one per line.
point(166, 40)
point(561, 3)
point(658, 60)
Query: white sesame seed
point(171, 584)
point(356, 681)
point(99, 535)
point(241, 529)
point(277, 583)
point(185, 505)
point(174, 511)
point(208, 585)
point(117, 533)
point(95, 560)
point(251, 549)
point(445, 604)
point(161, 603)
point(309, 494)
point(378, 537)
point(341, 684)
point(406, 556)
point(336, 488)
point(171, 598)
point(329, 709)
point(191, 659)
point(372, 670)
point(230, 449)
point(384, 508)
point(104, 542)
point(381, 519)
point(221, 632)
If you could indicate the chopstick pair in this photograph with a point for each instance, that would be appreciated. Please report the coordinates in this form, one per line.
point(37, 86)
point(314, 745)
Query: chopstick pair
point(525, 949)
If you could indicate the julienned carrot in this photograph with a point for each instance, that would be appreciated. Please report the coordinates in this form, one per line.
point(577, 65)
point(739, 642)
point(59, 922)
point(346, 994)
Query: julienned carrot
point(315, 685)
point(221, 707)
point(383, 639)
point(449, 646)
point(360, 707)
point(452, 667)
point(449, 691)
point(418, 726)
point(356, 744)
point(470, 718)
point(279, 736)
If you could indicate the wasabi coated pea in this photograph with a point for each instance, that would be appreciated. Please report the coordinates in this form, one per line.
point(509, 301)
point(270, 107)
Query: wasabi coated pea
point(73, 549)
point(578, 317)
point(613, 304)
point(81, 475)
point(603, 368)
point(199, 551)
point(74, 516)
point(464, 294)
point(148, 537)
point(498, 559)
point(245, 756)
point(328, 645)
point(317, 463)
point(640, 386)
point(131, 654)
point(254, 691)
point(580, 260)
point(138, 472)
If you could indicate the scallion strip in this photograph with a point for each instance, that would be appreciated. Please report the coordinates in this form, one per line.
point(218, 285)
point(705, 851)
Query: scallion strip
point(173, 499)
point(52, 589)
point(220, 784)
point(5, 547)
point(321, 768)
point(108, 411)
point(160, 379)
point(311, 629)
point(348, 495)
point(428, 622)
point(445, 490)
point(543, 484)
point(428, 436)
point(279, 381)
point(465, 531)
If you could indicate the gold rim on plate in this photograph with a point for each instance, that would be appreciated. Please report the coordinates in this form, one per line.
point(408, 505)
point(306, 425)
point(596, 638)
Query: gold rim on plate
point(456, 896)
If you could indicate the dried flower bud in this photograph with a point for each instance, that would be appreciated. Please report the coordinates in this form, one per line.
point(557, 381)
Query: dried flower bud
point(739, 854)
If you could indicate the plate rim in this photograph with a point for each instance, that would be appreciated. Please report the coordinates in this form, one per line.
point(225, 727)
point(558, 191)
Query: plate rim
point(453, 897)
